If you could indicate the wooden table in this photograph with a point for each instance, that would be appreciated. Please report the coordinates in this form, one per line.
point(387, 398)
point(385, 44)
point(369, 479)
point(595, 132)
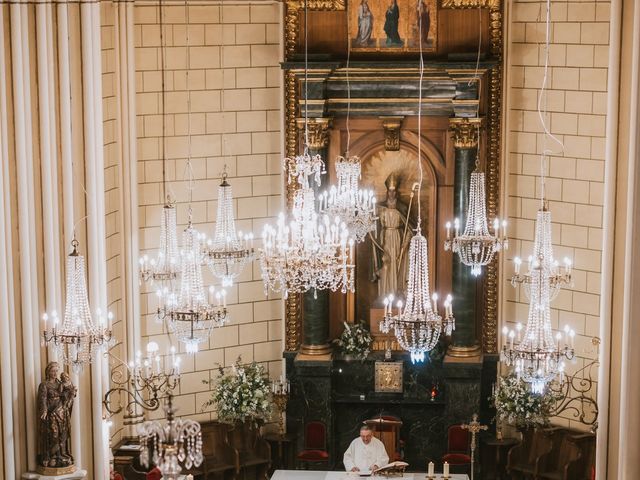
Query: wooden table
point(493, 456)
point(311, 475)
point(283, 450)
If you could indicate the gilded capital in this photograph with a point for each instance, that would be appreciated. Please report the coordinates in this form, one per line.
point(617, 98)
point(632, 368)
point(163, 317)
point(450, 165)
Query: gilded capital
point(391, 127)
point(318, 129)
point(465, 131)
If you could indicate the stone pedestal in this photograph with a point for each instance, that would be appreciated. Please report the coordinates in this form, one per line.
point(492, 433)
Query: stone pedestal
point(77, 475)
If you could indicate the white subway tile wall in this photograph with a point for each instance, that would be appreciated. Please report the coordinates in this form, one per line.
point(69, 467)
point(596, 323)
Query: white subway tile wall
point(233, 84)
point(578, 59)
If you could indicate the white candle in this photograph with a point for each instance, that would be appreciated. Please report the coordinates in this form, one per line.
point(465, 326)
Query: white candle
point(434, 298)
point(445, 469)
point(448, 227)
point(430, 469)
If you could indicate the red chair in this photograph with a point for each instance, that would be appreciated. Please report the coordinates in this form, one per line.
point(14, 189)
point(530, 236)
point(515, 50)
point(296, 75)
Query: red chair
point(315, 444)
point(458, 444)
point(154, 474)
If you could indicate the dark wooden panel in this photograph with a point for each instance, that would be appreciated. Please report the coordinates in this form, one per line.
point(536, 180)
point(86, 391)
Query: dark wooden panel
point(458, 32)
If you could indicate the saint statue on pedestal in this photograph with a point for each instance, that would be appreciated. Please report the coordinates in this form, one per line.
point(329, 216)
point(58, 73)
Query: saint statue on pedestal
point(390, 248)
point(55, 402)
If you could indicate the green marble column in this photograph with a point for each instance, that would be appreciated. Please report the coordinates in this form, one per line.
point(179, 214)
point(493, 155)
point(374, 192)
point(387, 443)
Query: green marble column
point(464, 341)
point(315, 304)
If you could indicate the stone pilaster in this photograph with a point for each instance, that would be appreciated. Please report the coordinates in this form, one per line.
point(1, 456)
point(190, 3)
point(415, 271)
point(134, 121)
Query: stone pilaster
point(465, 138)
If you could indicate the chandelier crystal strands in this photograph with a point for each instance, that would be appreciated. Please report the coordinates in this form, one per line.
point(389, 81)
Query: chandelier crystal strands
point(538, 356)
point(312, 251)
point(77, 340)
point(163, 269)
point(168, 443)
point(417, 324)
point(308, 251)
point(476, 247)
point(356, 206)
point(191, 313)
point(228, 252)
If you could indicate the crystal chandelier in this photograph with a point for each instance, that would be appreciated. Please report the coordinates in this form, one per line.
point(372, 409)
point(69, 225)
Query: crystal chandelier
point(538, 356)
point(77, 339)
point(190, 312)
point(476, 247)
point(165, 267)
point(311, 251)
point(357, 207)
point(418, 325)
point(228, 252)
point(168, 443)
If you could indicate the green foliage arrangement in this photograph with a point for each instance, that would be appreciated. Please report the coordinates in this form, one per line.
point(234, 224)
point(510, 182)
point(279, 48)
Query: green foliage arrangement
point(242, 395)
point(355, 340)
point(516, 404)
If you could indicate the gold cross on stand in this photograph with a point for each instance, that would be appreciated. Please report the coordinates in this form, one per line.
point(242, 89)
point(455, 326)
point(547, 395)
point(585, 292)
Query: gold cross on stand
point(474, 427)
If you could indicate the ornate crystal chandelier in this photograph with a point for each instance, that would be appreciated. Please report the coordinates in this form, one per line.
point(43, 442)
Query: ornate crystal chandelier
point(311, 251)
point(228, 252)
point(77, 339)
point(165, 267)
point(538, 355)
point(476, 247)
point(168, 443)
point(418, 325)
point(357, 207)
point(190, 312)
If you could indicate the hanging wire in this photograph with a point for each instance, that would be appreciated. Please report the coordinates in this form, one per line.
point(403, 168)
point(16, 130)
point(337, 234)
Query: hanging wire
point(188, 166)
point(222, 106)
point(418, 229)
point(162, 111)
point(306, 78)
point(348, 99)
point(542, 107)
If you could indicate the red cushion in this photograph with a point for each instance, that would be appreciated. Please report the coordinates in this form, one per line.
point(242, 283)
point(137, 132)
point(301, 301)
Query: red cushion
point(456, 459)
point(458, 439)
point(314, 436)
point(313, 455)
point(154, 474)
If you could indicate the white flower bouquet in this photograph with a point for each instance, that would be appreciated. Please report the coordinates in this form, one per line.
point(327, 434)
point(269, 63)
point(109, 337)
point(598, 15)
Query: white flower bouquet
point(355, 340)
point(516, 404)
point(242, 395)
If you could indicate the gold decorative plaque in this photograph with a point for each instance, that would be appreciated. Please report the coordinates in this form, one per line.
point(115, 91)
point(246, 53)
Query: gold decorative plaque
point(389, 377)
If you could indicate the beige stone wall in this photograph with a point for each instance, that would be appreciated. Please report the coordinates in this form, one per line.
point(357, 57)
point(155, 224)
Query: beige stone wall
point(575, 178)
point(235, 120)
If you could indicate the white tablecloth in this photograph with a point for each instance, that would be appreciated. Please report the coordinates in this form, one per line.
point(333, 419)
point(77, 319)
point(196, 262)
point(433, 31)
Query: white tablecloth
point(313, 475)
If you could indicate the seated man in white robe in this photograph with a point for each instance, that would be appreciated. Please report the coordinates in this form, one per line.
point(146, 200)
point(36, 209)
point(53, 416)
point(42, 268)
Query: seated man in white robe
point(366, 453)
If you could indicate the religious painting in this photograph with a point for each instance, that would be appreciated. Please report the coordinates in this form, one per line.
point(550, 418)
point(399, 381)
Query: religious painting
point(393, 25)
point(382, 259)
point(388, 377)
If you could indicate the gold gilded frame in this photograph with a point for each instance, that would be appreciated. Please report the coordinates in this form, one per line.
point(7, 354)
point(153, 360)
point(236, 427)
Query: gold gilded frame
point(293, 308)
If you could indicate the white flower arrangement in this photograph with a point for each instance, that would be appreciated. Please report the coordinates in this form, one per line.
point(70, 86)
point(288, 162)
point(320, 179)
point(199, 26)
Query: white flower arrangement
point(243, 395)
point(355, 340)
point(519, 406)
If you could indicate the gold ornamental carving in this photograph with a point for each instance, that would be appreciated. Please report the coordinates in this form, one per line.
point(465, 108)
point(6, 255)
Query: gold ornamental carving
point(318, 129)
point(494, 153)
point(465, 131)
point(391, 127)
point(388, 377)
point(461, 4)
